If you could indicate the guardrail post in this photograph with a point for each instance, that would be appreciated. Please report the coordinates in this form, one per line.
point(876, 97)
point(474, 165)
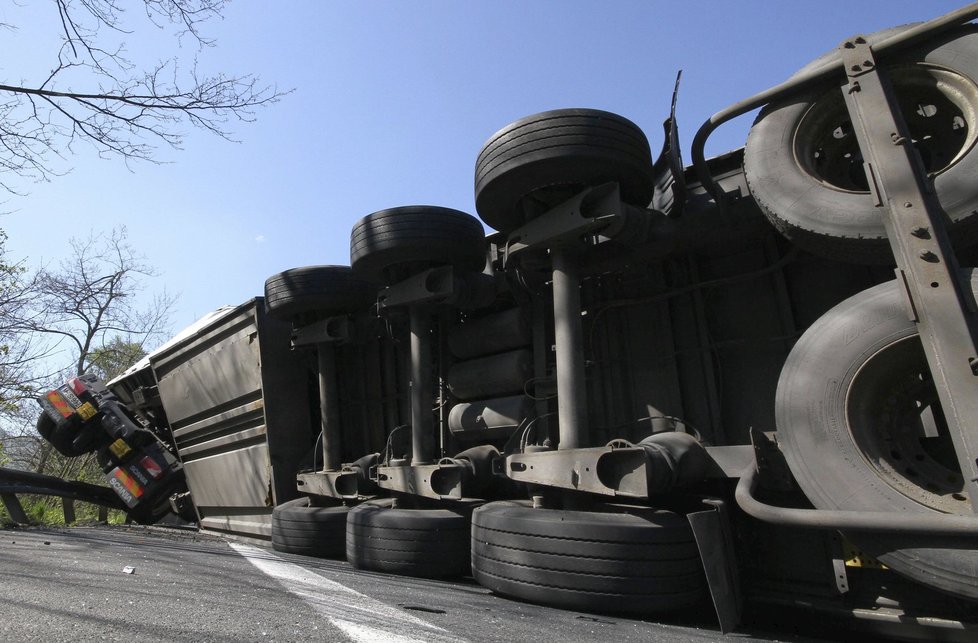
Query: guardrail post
point(68, 506)
point(14, 508)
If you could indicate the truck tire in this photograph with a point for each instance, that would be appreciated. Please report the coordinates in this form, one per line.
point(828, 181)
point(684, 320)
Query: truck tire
point(71, 438)
point(150, 514)
point(804, 167)
point(321, 291)
point(427, 543)
point(416, 237)
point(563, 147)
point(853, 406)
point(45, 426)
point(299, 527)
point(624, 560)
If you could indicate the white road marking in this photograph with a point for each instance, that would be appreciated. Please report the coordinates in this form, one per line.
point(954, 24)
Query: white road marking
point(360, 617)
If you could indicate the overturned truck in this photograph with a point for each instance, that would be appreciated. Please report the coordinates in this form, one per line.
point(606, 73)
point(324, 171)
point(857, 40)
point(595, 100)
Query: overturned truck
point(750, 380)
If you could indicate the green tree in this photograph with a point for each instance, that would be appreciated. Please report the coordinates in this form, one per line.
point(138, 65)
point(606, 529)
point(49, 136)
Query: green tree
point(113, 358)
point(20, 350)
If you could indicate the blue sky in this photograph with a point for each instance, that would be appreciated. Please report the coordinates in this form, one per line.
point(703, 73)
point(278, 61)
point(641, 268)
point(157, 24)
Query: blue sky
point(392, 102)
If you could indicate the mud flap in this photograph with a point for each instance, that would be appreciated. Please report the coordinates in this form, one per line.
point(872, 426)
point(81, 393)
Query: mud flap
point(714, 539)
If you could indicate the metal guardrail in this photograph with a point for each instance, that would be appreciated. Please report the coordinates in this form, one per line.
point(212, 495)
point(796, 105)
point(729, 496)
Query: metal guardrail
point(14, 482)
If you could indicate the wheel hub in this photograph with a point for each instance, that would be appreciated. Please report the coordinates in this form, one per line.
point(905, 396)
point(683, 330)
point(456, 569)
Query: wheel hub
point(897, 422)
point(939, 106)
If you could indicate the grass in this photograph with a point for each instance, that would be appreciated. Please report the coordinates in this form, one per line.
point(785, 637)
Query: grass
point(48, 511)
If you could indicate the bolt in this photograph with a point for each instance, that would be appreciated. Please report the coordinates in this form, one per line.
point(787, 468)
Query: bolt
point(920, 232)
point(973, 363)
point(927, 255)
point(849, 45)
point(856, 68)
point(897, 139)
point(867, 63)
point(908, 204)
point(860, 40)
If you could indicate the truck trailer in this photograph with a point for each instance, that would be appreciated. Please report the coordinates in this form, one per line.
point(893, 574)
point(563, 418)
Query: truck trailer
point(650, 387)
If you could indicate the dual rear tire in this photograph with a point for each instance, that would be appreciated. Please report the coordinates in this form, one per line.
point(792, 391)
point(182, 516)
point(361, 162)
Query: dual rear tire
point(426, 543)
point(618, 560)
point(299, 527)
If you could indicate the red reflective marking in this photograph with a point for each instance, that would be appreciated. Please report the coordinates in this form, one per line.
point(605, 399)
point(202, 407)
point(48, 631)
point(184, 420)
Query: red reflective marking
point(151, 466)
point(77, 386)
point(129, 483)
point(59, 404)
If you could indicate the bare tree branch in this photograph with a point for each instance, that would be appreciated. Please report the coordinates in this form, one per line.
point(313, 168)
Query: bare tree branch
point(94, 94)
point(82, 315)
point(128, 114)
point(20, 351)
point(88, 301)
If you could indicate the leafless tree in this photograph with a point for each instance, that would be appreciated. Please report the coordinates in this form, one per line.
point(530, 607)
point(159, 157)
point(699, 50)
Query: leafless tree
point(87, 308)
point(89, 302)
point(129, 112)
point(20, 355)
point(20, 351)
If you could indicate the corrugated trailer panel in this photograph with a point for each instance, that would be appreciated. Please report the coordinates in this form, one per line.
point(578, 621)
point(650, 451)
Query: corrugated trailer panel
point(238, 405)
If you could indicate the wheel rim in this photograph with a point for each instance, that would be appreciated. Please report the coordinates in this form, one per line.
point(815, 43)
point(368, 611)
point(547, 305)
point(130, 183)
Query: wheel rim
point(896, 421)
point(939, 105)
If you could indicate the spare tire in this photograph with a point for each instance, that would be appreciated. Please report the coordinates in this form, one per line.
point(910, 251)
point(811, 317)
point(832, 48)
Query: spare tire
point(572, 148)
point(805, 170)
point(862, 429)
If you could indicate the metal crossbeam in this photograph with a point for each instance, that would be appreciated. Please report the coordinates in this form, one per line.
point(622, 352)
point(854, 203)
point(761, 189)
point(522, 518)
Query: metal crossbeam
point(942, 307)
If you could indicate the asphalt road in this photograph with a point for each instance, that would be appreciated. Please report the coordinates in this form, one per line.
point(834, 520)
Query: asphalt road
point(153, 584)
